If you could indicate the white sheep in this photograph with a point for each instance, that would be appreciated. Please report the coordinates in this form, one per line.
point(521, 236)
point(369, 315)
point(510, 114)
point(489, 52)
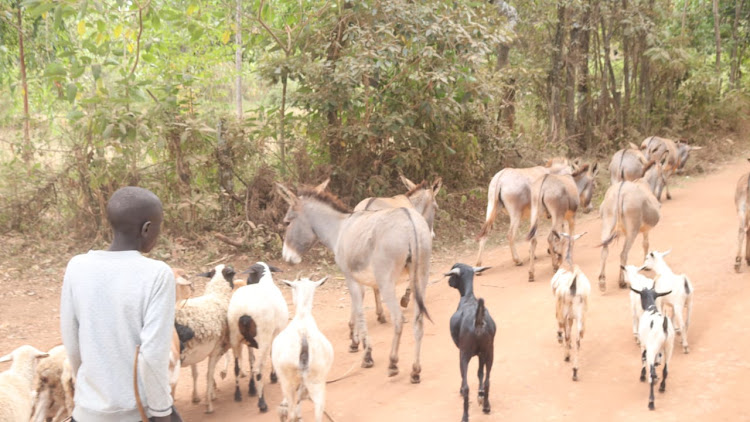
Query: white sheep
point(16, 383)
point(571, 288)
point(257, 313)
point(637, 281)
point(681, 298)
point(53, 387)
point(656, 335)
point(183, 290)
point(201, 324)
point(302, 356)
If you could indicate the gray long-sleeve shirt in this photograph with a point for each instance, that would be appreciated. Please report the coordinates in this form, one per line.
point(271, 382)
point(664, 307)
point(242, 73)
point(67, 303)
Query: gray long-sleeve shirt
point(111, 302)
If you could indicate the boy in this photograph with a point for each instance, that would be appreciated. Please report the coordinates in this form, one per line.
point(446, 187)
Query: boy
point(113, 301)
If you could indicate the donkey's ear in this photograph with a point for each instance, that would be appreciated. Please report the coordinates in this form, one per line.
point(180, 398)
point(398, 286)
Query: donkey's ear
point(321, 281)
point(286, 194)
point(692, 148)
point(436, 185)
point(595, 169)
point(321, 187)
point(622, 267)
point(555, 233)
point(408, 183)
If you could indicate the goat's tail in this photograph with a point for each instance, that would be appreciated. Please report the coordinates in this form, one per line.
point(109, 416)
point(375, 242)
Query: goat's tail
point(249, 329)
point(304, 354)
point(479, 319)
point(494, 201)
point(536, 207)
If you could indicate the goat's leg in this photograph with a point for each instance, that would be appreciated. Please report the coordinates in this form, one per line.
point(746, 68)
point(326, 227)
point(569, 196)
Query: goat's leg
point(629, 239)
point(237, 394)
point(378, 305)
point(480, 375)
point(747, 245)
point(651, 387)
point(356, 294)
point(488, 367)
point(643, 363)
point(194, 373)
point(576, 340)
point(387, 283)
point(677, 311)
point(664, 372)
point(532, 249)
point(515, 221)
point(257, 373)
point(568, 326)
point(251, 390)
point(288, 403)
point(317, 393)
point(210, 383)
point(560, 320)
point(464, 365)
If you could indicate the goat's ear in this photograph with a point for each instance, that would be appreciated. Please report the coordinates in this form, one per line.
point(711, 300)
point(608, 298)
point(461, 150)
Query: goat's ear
point(321, 281)
point(250, 270)
point(555, 233)
point(436, 185)
point(7, 358)
point(321, 187)
point(274, 269)
point(578, 236)
point(286, 194)
point(643, 267)
point(408, 183)
point(632, 145)
point(453, 271)
point(622, 267)
point(288, 283)
point(636, 291)
point(479, 270)
point(663, 294)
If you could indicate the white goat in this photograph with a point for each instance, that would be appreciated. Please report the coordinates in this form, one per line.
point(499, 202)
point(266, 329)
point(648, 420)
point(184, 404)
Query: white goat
point(571, 288)
point(638, 282)
point(257, 314)
point(201, 324)
point(15, 383)
point(656, 335)
point(681, 297)
point(53, 387)
point(302, 356)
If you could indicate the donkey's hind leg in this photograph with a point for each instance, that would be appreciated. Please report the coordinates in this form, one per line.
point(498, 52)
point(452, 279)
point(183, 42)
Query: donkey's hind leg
point(358, 323)
point(386, 281)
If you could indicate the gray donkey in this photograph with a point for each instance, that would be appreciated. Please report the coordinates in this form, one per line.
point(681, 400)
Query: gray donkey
point(372, 248)
point(628, 208)
point(510, 189)
point(421, 197)
point(631, 164)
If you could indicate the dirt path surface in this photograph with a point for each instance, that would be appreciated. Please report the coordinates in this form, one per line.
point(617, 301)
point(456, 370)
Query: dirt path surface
point(530, 380)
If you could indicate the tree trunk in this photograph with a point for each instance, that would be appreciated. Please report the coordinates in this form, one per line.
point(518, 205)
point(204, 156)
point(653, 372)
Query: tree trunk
point(734, 62)
point(282, 121)
point(717, 36)
point(584, 119)
point(27, 149)
point(336, 148)
point(626, 52)
point(571, 68)
point(555, 109)
point(610, 71)
point(684, 16)
point(238, 61)
point(226, 174)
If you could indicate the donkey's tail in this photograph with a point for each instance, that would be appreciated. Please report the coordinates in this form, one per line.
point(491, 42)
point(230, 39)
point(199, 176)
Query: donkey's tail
point(536, 208)
point(417, 277)
point(494, 201)
point(618, 214)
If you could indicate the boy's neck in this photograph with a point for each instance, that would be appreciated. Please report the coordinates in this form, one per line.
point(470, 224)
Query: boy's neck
point(122, 242)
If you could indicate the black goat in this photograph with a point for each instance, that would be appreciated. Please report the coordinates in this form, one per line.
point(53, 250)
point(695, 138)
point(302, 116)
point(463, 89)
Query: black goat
point(473, 332)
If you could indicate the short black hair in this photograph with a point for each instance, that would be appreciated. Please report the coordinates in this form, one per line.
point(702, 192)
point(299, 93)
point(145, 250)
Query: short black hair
point(130, 207)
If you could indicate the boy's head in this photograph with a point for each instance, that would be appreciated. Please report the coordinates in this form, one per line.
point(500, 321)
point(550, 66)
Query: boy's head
point(135, 215)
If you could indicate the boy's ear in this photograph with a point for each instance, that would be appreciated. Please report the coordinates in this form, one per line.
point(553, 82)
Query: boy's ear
point(145, 227)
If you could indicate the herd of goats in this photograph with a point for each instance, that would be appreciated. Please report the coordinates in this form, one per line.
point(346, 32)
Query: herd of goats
point(386, 237)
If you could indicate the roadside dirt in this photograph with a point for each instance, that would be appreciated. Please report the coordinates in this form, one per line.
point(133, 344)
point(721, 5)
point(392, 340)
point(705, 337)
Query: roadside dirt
point(530, 380)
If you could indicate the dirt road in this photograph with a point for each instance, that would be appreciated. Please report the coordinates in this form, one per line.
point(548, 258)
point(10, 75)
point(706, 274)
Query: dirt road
point(530, 381)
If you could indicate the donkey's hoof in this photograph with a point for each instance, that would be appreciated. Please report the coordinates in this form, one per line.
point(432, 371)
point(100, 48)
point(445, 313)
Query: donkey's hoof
point(381, 319)
point(575, 374)
point(559, 337)
point(602, 284)
point(237, 394)
point(518, 263)
point(737, 268)
point(567, 358)
point(651, 405)
point(367, 361)
point(209, 411)
point(415, 379)
point(262, 406)
point(415, 371)
point(353, 348)
point(404, 301)
point(622, 284)
point(274, 378)
point(392, 371)
point(196, 400)
point(486, 410)
point(686, 349)
point(531, 278)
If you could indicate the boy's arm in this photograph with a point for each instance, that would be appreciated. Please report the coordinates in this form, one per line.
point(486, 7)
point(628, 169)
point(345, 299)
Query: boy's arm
point(69, 325)
point(156, 336)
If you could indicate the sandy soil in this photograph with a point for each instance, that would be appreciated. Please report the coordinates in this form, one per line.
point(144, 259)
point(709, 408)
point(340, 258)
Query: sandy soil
point(530, 380)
